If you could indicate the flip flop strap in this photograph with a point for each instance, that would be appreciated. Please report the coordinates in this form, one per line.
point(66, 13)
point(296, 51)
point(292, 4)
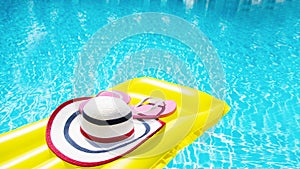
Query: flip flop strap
point(159, 102)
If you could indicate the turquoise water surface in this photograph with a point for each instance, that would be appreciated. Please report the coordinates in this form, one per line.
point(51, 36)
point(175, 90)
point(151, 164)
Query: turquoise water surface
point(258, 44)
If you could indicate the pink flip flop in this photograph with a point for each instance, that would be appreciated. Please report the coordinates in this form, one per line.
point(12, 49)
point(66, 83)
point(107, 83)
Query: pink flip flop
point(114, 93)
point(155, 108)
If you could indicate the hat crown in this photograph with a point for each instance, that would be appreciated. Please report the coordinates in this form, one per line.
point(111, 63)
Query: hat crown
point(106, 119)
point(105, 107)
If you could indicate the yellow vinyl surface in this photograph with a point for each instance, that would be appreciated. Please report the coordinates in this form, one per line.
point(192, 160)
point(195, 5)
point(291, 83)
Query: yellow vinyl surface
point(196, 112)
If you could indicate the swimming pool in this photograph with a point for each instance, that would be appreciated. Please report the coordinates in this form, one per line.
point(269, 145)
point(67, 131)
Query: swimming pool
point(258, 46)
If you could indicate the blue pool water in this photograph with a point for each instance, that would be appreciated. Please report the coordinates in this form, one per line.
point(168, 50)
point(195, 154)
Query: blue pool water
point(258, 45)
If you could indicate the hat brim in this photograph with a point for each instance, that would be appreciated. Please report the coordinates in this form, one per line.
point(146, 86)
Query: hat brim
point(64, 138)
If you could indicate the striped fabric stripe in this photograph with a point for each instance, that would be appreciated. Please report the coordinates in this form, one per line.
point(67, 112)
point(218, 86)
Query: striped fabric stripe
point(106, 140)
point(106, 122)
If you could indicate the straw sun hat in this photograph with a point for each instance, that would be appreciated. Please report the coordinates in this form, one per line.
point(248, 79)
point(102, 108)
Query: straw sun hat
point(104, 130)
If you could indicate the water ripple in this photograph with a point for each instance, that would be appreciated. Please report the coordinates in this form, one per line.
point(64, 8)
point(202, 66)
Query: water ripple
point(258, 45)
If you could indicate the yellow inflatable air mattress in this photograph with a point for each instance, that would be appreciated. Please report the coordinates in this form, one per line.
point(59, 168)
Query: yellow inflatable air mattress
point(196, 112)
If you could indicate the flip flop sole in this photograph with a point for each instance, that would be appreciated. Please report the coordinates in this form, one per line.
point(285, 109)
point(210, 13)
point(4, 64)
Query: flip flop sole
point(115, 93)
point(158, 112)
